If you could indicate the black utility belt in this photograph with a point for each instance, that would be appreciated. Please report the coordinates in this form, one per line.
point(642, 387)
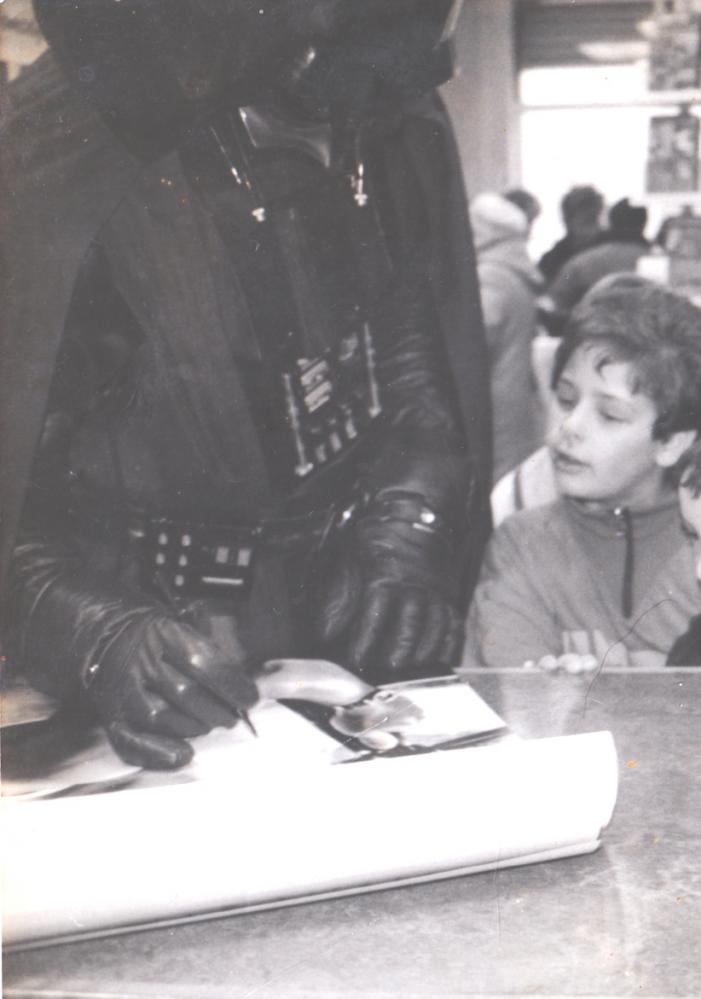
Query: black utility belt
point(191, 559)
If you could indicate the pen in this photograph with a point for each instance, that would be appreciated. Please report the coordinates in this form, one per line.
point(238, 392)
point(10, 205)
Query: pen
point(246, 719)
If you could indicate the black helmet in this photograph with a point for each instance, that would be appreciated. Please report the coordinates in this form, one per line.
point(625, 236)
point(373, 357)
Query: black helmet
point(152, 67)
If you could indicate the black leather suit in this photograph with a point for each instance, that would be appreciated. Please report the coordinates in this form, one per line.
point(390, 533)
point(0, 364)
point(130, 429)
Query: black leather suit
point(253, 373)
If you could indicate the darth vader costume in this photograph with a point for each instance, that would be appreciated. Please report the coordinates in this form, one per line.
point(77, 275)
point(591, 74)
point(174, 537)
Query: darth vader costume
point(243, 406)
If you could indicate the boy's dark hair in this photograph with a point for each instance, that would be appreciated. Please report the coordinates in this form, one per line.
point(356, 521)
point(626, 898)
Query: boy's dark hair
point(654, 330)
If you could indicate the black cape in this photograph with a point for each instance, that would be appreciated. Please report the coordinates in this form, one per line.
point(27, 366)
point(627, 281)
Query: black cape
point(64, 174)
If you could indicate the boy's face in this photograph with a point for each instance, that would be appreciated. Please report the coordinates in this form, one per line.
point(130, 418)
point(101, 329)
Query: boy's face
point(690, 508)
point(601, 437)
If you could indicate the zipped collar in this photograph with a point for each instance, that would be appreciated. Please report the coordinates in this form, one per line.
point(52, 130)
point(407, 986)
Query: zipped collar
point(627, 524)
point(625, 519)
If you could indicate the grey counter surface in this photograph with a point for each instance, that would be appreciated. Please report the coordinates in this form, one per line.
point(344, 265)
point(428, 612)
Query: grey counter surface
point(621, 922)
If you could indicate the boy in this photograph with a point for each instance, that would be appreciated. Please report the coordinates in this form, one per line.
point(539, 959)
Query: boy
point(686, 651)
point(603, 575)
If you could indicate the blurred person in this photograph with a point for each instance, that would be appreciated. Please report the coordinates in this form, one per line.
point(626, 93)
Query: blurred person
point(527, 202)
point(668, 233)
point(619, 250)
point(686, 651)
point(509, 283)
point(581, 211)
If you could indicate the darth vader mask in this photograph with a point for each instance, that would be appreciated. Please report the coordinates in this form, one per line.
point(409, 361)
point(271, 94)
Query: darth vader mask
point(154, 67)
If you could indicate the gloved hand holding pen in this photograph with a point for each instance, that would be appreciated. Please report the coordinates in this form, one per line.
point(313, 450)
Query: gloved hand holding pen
point(159, 683)
point(152, 680)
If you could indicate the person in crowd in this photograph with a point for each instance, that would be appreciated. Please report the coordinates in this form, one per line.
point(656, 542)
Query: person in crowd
point(527, 202)
point(686, 650)
point(581, 213)
point(242, 354)
point(509, 283)
point(668, 232)
point(622, 245)
point(603, 575)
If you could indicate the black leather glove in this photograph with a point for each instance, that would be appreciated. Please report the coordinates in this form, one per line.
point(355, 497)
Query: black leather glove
point(153, 681)
point(388, 606)
point(159, 683)
point(391, 598)
point(686, 651)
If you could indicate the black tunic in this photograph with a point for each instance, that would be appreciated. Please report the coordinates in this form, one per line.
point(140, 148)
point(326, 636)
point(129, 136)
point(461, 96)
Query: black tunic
point(166, 419)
